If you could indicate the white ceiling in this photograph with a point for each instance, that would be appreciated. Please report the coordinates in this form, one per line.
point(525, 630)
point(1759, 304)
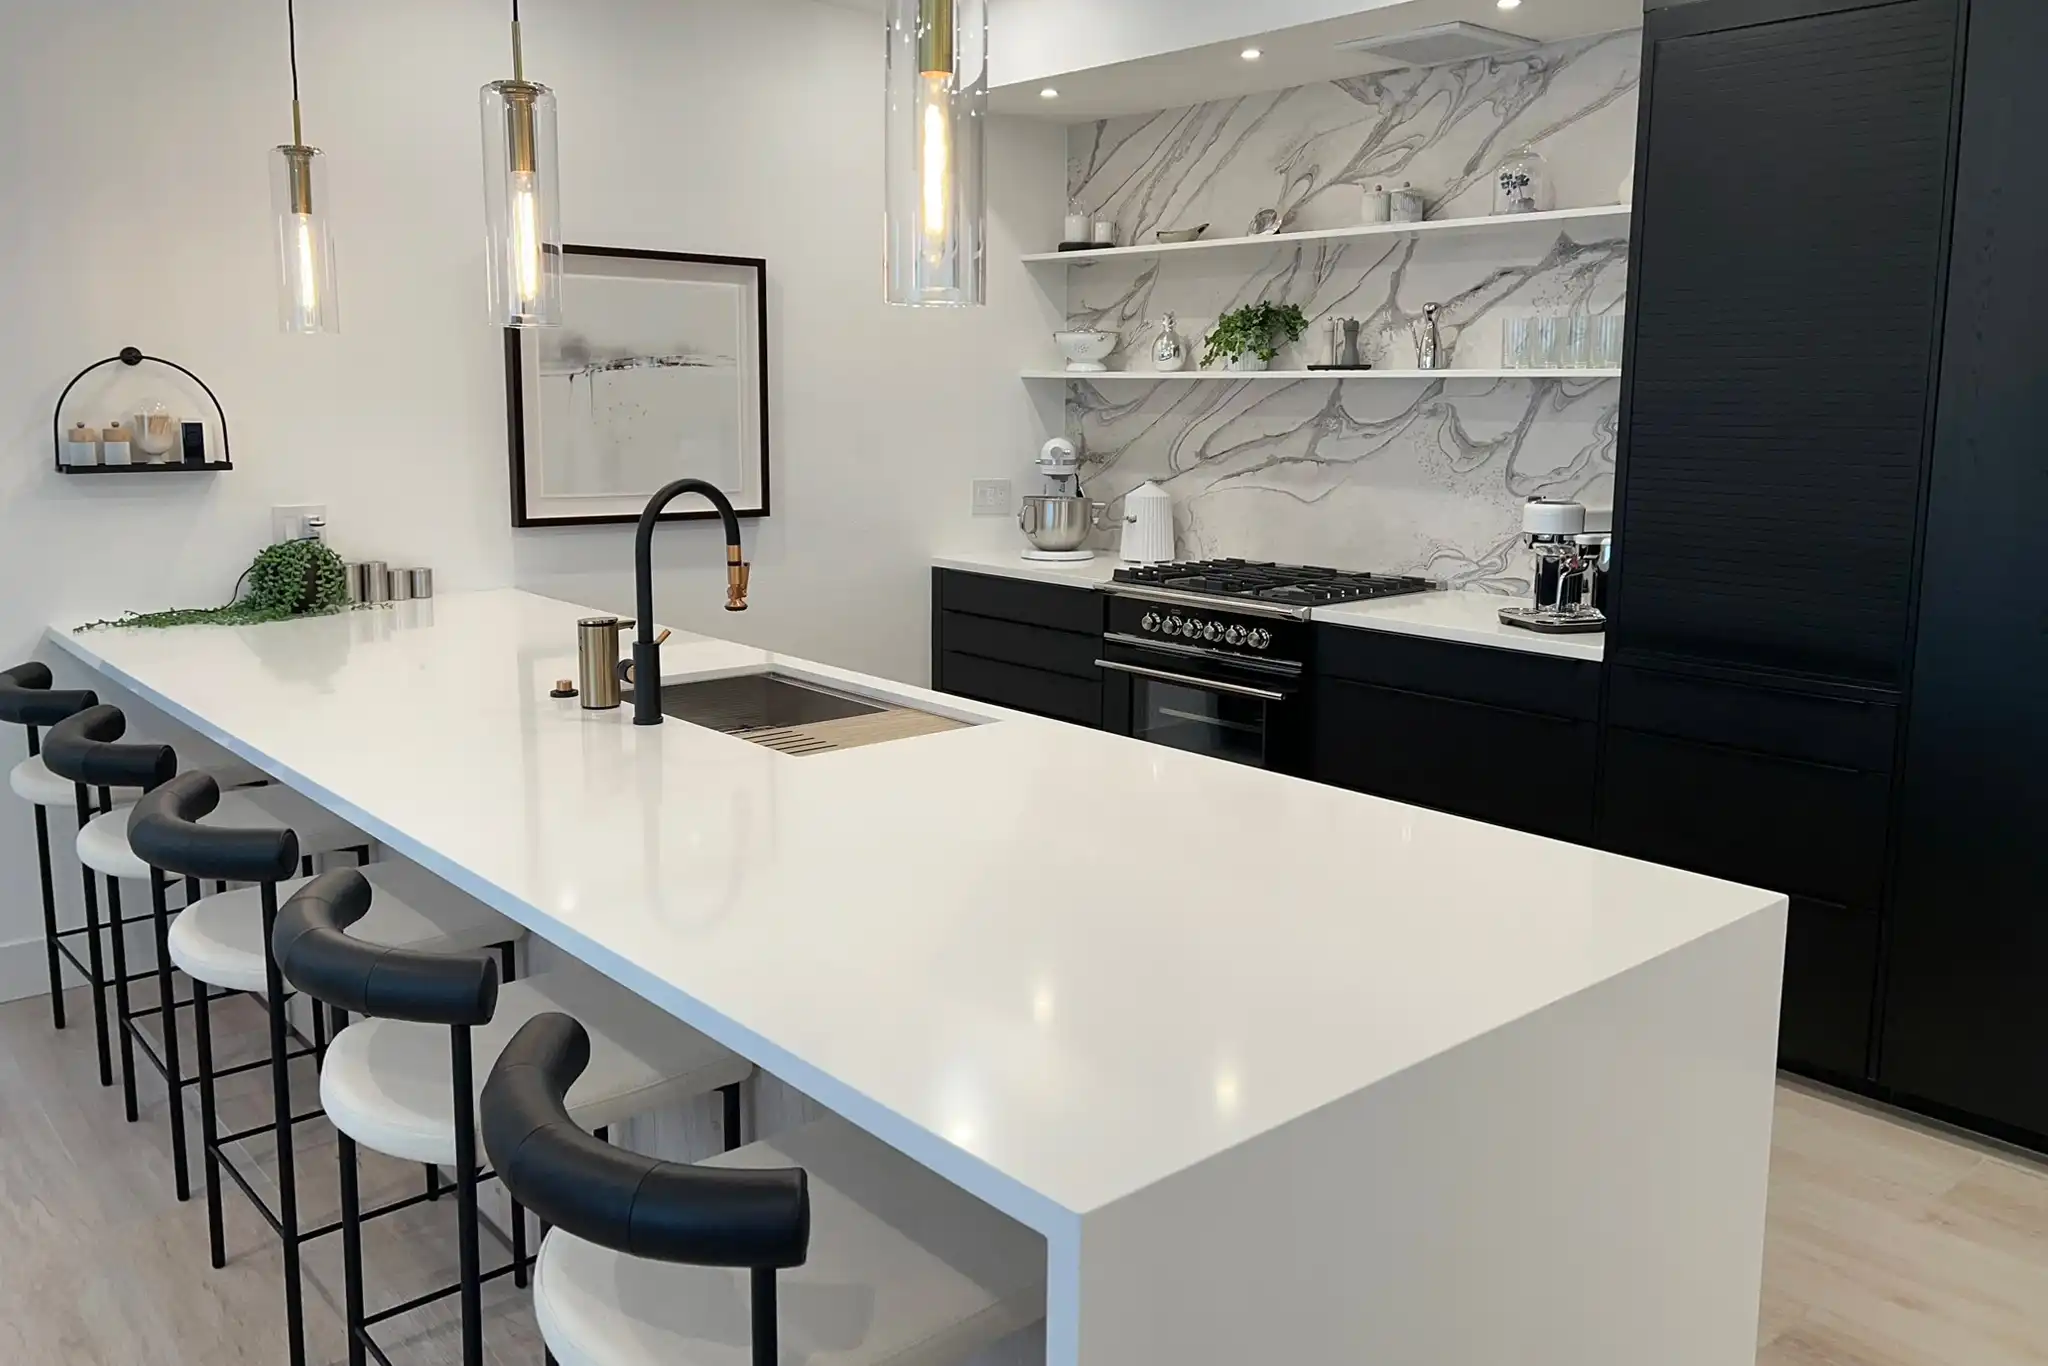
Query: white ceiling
point(1290, 57)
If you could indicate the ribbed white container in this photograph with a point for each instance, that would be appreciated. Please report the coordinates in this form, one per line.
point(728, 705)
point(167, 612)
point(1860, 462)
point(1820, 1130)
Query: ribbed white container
point(1148, 525)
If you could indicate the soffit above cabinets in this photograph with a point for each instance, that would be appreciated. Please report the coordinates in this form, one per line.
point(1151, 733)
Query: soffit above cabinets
point(1289, 57)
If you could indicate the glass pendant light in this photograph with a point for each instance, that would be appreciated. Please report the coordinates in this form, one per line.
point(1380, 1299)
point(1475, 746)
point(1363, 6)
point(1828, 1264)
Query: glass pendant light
point(522, 198)
point(298, 192)
point(936, 215)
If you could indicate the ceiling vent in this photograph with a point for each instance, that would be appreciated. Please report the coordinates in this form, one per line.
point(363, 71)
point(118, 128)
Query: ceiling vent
point(1440, 44)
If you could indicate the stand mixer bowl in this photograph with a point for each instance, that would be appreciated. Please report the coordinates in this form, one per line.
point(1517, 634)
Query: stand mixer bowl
point(1051, 522)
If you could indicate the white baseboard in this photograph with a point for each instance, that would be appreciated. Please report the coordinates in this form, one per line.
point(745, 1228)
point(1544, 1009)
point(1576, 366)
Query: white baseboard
point(25, 971)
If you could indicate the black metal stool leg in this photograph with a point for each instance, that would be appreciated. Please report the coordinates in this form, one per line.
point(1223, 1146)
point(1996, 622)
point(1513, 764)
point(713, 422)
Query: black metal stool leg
point(49, 900)
point(121, 1005)
point(50, 917)
point(468, 1257)
point(167, 993)
point(519, 1274)
point(287, 1178)
point(209, 1120)
point(351, 1239)
point(433, 1181)
point(93, 953)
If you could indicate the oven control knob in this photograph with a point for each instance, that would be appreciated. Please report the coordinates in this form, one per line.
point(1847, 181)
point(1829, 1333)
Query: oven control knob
point(1259, 638)
point(1150, 622)
point(1191, 628)
point(1171, 625)
point(1234, 636)
point(1212, 632)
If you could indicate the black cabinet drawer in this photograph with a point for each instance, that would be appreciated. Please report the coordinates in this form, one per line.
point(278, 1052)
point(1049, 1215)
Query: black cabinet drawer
point(1498, 678)
point(1786, 826)
point(1830, 982)
point(1040, 691)
point(1034, 604)
point(1504, 767)
point(1011, 642)
point(1842, 731)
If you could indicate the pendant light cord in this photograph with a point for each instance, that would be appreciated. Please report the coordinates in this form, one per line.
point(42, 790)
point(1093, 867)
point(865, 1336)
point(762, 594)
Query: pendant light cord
point(291, 28)
point(518, 48)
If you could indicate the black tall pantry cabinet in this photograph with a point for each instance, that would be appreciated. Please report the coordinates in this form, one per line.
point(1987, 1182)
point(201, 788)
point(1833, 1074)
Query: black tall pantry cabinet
point(1825, 664)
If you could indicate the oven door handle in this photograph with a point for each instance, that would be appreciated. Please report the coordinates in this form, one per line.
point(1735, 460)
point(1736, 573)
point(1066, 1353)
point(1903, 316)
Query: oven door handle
point(1204, 684)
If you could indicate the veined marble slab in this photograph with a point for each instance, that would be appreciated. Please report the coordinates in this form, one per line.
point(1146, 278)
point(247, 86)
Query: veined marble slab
point(1421, 476)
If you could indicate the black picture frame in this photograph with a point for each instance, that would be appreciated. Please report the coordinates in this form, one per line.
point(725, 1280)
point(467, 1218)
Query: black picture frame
point(518, 383)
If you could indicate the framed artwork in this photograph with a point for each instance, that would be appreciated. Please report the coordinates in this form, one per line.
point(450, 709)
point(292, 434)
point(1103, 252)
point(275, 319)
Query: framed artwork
point(658, 371)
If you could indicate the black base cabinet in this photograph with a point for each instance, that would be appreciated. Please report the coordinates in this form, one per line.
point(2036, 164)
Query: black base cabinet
point(1030, 646)
point(1498, 735)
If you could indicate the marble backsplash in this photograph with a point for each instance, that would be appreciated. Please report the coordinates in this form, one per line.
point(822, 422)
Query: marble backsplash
point(1421, 476)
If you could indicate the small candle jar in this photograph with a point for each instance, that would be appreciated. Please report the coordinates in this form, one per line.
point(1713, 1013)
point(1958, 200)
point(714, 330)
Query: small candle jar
point(1105, 232)
point(1377, 206)
point(1075, 229)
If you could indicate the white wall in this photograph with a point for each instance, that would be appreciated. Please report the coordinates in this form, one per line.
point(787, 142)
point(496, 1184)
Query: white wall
point(138, 212)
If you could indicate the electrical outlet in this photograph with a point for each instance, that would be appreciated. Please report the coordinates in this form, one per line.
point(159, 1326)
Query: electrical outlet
point(991, 497)
point(288, 522)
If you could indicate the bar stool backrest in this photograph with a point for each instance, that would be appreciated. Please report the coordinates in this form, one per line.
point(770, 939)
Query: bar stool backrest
point(81, 748)
point(164, 832)
point(318, 957)
point(665, 1211)
point(26, 698)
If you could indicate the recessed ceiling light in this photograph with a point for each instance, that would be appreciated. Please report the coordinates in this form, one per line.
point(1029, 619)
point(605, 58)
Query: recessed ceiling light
point(1510, 4)
point(1251, 54)
point(1048, 94)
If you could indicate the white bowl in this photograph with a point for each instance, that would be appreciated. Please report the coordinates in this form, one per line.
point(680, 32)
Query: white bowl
point(1086, 348)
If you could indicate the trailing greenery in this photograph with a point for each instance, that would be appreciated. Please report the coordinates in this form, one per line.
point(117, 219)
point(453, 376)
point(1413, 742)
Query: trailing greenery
point(290, 579)
point(1260, 328)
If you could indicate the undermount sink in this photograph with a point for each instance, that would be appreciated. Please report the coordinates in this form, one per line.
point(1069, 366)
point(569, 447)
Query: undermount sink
point(795, 716)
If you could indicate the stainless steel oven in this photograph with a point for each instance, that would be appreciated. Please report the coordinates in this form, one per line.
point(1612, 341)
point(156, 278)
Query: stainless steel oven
point(1226, 681)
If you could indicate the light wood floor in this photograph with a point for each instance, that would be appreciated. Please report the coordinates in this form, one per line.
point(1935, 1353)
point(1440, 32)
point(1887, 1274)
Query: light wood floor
point(1890, 1244)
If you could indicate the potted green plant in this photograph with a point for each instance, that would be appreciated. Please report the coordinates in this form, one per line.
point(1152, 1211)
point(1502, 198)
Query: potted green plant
point(1248, 338)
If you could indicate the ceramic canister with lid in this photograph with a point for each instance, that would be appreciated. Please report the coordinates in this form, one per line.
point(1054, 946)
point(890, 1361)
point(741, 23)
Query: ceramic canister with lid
point(1148, 525)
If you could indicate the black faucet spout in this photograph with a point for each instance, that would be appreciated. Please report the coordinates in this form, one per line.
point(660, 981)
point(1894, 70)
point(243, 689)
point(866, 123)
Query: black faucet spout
point(646, 652)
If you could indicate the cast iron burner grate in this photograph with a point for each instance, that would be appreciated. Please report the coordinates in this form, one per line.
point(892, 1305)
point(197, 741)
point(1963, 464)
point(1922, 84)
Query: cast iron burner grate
point(1296, 585)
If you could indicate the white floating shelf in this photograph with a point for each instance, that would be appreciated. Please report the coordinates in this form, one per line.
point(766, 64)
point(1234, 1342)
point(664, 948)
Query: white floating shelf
point(1614, 216)
point(1169, 376)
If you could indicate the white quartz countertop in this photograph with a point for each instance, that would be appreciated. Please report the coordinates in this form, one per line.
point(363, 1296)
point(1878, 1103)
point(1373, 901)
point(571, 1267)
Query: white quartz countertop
point(1052, 964)
point(1462, 617)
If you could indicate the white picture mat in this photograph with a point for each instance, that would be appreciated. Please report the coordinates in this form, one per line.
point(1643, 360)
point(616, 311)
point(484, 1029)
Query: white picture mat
point(654, 375)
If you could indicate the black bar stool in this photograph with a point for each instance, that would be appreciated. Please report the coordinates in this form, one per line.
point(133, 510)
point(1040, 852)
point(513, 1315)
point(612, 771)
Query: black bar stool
point(84, 750)
point(396, 1083)
point(87, 750)
point(877, 1261)
point(27, 700)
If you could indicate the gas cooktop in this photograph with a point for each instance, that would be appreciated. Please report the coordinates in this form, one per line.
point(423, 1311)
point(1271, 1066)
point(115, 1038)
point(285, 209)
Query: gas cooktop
point(1291, 585)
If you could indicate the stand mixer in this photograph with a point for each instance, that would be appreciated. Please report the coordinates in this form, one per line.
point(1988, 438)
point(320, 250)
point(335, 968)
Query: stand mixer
point(1058, 523)
point(1570, 566)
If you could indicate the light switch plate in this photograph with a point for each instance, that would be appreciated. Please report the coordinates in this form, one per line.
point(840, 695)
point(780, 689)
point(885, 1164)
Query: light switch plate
point(288, 521)
point(992, 498)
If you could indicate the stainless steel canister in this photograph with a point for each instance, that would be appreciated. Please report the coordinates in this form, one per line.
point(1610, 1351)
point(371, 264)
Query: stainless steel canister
point(422, 582)
point(398, 585)
point(597, 661)
point(368, 581)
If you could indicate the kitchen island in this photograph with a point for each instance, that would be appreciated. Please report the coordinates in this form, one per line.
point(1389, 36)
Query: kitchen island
point(1280, 1072)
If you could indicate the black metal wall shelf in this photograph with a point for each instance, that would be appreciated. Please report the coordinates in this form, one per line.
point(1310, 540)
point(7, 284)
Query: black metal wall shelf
point(157, 467)
point(132, 356)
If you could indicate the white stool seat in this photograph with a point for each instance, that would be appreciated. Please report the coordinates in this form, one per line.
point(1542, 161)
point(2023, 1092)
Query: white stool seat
point(219, 939)
point(388, 1085)
point(103, 844)
point(905, 1269)
point(33, 782)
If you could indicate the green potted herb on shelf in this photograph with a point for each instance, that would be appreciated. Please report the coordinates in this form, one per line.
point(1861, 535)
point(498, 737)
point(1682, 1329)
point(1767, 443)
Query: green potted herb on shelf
point(1248, 338)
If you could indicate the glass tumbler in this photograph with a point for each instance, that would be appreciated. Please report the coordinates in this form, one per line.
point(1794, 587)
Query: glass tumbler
point(1608, 331)
point(1518, 341)
point(1577, 352)
point(1548, 343)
